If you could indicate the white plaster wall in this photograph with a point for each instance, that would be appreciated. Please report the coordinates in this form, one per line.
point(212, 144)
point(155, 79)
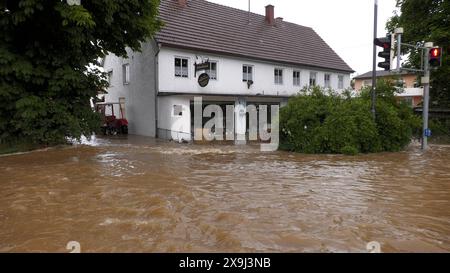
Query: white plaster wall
point(230, 76)
point(178, 126)
point(140, 93)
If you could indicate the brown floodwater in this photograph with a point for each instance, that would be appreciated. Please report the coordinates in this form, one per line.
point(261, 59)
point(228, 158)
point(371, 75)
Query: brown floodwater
point(138, 194)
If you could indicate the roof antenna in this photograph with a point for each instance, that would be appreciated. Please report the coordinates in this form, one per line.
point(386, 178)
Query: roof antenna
point(249, 12)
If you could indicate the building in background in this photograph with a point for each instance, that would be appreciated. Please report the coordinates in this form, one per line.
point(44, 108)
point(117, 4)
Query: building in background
point(224, 55)
point(409, 89)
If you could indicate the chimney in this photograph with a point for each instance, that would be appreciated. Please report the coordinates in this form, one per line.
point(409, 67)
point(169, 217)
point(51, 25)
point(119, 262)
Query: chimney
point(270, 14)
point(182, 3)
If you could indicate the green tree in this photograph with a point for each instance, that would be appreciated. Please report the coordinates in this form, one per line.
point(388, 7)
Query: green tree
point(427, 21)
point(319, 121)
point(47, 48)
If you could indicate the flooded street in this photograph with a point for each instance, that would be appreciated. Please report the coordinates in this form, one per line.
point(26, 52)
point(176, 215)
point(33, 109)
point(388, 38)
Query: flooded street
point(145, 195)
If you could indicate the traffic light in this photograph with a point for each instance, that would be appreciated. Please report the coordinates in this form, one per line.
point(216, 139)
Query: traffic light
point(435, 57)
point(386, 44)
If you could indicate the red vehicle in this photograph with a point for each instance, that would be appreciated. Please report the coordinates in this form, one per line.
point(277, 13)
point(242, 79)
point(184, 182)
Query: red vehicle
point(112, 125)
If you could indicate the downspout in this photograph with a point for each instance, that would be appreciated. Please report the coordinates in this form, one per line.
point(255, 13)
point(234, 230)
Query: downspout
point(157, 87)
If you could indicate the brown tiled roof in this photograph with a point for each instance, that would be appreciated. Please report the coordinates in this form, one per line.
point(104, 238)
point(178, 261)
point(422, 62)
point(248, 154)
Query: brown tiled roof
point(211, 27)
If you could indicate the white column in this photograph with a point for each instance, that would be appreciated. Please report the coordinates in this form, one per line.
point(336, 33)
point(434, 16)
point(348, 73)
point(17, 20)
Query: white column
point(241, 121)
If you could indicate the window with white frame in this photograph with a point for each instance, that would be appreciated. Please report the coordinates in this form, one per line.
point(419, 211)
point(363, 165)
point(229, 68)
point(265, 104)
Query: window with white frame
point(177, 110)
point(212, 72)
point(327, 80)
point(296, 78)
point(340, 82)
point(247, 73)
point(312, 78)
point(181, 67)
point(278, 73)
point(126, 73)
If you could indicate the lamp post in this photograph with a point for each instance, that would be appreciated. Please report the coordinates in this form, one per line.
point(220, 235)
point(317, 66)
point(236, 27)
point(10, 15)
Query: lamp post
point(374, 68)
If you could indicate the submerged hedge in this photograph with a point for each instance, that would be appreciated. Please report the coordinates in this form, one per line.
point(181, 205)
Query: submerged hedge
point(322, 121)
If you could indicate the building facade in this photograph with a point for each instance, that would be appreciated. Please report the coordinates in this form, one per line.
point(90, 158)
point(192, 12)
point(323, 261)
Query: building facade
point(223, 55)
point(409, 89)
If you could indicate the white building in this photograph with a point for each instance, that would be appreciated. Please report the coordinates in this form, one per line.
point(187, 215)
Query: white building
point(251, 59)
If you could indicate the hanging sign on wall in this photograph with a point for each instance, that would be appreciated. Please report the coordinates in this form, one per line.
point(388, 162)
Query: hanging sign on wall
point(203, 80)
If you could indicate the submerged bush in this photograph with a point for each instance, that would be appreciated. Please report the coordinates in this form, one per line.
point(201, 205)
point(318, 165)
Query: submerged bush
point(322, 121)
point(349, 150)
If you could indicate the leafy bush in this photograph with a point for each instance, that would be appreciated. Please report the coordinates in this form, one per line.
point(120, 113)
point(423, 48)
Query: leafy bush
point(349, 150)
point(322, 121)
point(350, 125)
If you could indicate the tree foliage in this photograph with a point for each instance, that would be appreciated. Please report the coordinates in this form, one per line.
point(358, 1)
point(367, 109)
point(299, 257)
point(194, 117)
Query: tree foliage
point(47, 48)
point(427, 21)
point(320, 121)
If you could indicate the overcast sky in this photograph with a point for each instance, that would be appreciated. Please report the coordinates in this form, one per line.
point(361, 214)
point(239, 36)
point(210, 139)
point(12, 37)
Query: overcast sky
point(346, 25)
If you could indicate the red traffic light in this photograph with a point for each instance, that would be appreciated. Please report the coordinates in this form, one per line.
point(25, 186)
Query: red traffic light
point(435, 52)
point(435, 57)
point(385, 43)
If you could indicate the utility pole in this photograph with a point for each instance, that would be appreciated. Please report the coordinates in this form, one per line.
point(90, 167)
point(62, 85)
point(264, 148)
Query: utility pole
point(374, 70)
point(426, 96)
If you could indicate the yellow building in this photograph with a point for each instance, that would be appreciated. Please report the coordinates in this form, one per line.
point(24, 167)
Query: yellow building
point(409, 89)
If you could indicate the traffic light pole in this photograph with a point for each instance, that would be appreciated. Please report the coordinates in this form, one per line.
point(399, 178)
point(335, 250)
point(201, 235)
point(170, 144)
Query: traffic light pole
point(374, 72)
point(432, 58)
point(426, 96)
